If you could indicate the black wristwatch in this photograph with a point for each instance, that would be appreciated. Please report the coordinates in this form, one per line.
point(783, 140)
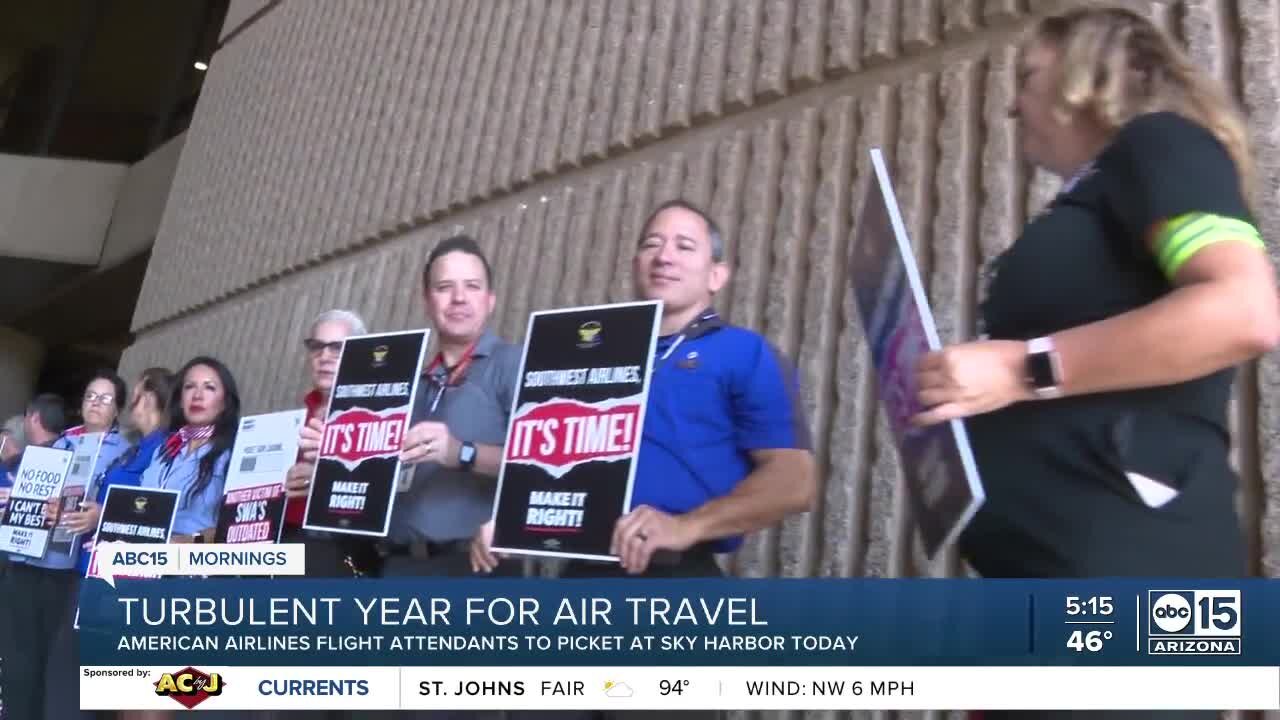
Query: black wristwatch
point(1044, 368)
point(467, 456)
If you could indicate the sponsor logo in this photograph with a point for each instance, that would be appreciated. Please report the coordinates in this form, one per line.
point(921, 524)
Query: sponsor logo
point(140, 504)
point(589, 334)
point(380, 355)
point(189, 687)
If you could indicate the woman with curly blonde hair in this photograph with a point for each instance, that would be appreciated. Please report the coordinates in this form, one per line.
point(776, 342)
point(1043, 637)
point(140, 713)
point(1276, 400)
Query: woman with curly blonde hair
point(1097, 402)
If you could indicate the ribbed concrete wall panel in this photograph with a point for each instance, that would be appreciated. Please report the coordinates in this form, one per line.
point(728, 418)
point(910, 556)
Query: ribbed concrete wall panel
point(564, 71)
point(334, 145)
point(544, 71)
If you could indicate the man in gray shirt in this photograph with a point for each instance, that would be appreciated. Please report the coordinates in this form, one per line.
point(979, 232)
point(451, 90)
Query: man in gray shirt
point(454, 445)
point(459, 421)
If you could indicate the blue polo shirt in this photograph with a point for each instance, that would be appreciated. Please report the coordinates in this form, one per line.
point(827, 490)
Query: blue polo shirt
point(718, 392)
point(126, 470)
point(7, 471)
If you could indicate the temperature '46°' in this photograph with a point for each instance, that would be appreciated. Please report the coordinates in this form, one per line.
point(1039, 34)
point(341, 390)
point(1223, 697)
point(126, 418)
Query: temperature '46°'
point(1092, 640)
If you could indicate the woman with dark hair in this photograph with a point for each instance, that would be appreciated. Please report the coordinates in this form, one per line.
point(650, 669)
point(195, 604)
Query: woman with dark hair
point(147, 418)
point(205, 414)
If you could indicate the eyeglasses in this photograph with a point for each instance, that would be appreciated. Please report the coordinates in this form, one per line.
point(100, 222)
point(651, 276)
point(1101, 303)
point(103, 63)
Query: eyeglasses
point(93, 397)
point(318, 346)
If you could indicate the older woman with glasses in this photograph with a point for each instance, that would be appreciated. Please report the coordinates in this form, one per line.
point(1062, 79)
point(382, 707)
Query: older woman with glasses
point(327, 555)
point(147, 420)
point(46, 583)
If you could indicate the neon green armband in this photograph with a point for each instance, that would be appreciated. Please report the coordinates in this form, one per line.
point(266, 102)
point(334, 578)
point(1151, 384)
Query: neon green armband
point(1185, 235)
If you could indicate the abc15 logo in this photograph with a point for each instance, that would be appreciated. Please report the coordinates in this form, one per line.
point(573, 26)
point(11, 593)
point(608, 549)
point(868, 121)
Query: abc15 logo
point(1212, 614)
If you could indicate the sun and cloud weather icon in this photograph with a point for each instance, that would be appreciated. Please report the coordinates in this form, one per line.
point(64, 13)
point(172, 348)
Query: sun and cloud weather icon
point(617, 689)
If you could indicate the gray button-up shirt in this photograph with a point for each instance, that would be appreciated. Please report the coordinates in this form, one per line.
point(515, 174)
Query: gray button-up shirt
point(443, 504)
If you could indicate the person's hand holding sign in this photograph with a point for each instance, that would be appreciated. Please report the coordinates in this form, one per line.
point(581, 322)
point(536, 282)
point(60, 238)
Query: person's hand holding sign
point(84, 520)
point(970, 379)
point(309, 438)
point(646, 530)
point(430, 442)
point(482, 559)
point(297, 481)
point(52, 511)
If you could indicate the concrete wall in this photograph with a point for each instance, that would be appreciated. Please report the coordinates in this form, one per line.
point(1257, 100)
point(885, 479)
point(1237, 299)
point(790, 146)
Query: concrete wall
point(140, 203)
point(20, 359)
point(55, 209)
point(334, 142)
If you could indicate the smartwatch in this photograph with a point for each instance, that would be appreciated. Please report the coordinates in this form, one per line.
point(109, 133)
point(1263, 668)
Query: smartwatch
point(1044, 368)
point(467, 455)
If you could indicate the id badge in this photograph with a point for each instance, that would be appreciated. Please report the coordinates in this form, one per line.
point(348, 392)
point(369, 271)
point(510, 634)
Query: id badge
point(405, 480)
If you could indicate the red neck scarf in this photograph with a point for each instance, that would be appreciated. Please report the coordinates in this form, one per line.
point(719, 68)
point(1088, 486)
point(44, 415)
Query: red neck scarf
point(185, 435)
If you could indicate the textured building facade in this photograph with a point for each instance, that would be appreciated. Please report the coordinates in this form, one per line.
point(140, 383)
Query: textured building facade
point(335, 142)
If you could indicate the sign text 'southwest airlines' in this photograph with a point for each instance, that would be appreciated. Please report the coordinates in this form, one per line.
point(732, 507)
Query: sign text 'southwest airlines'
point(558, 435)
point(355, 435)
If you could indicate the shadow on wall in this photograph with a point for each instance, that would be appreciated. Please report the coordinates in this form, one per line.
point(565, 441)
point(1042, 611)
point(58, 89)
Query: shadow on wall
point(67, 370)
point(21, 357)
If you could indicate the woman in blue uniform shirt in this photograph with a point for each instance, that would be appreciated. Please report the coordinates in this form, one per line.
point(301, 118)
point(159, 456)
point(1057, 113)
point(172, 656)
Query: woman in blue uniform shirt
point(149, 421)
point(148, 418)
point(193, 459)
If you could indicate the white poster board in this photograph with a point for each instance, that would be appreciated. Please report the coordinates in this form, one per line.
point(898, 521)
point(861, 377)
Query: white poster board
point(84, 463)
point(23, 529)
point(253, 503)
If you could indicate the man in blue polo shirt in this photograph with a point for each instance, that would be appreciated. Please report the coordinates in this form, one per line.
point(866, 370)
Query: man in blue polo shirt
point(726, 450)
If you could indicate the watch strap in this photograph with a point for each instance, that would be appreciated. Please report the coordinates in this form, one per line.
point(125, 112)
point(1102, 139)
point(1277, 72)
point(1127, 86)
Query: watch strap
point(1043, 368)
point(467, 455)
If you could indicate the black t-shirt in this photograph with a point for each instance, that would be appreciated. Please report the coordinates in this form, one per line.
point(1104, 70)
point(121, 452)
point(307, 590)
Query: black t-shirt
point(1056, 470)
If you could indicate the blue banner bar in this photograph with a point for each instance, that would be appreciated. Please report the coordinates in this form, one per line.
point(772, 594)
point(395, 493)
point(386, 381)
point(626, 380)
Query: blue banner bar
point(721, 622)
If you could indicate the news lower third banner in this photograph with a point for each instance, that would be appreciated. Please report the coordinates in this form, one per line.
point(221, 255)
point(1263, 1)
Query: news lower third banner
point(679, 644)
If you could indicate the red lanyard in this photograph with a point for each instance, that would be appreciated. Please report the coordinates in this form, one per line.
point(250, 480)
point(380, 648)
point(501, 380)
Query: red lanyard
point(457, 372)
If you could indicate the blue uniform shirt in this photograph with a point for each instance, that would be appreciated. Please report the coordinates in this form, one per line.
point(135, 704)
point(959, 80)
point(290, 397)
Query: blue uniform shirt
point(198, 511)
point(7, 471)
point(718, 392)
point(113, 445)
point(126, 470)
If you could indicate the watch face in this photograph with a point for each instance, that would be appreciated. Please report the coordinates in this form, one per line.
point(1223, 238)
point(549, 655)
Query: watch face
point(1040, 368)
point(468, 453)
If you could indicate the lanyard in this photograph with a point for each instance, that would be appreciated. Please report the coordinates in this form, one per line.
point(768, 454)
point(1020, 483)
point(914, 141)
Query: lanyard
point(457, 372)
point(452, 376)
point(91, 491)
point(694, 324)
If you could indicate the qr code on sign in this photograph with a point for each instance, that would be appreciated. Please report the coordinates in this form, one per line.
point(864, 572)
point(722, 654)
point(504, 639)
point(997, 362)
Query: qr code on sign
point(248, 464)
